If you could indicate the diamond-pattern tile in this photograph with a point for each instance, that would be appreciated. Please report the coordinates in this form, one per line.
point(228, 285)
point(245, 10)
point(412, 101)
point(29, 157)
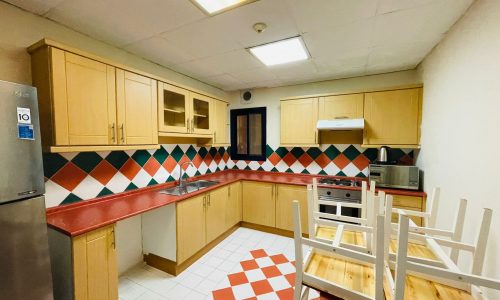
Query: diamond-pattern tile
point(117, 159)
point(103, 172)
point(160, 155)
point(52, 162)
point(69, 177)
point(87, 161)
point(130, 169)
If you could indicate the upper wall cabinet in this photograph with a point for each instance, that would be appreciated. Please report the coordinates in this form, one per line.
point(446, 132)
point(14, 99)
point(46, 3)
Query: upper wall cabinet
point(184, 112)
point(341, 107)
point(298, 122)
point(220, 123)
point(393, 118)
point(87, 105)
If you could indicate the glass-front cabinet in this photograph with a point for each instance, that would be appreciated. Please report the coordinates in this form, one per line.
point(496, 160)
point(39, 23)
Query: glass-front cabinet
point(182, 111)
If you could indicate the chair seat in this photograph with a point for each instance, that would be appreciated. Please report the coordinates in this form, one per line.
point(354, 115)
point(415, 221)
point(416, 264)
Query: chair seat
point(415, 250)
point(353, 276)
point(349, 237)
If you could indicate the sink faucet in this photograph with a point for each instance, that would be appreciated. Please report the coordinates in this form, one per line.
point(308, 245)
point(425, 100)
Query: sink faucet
point(182, 182)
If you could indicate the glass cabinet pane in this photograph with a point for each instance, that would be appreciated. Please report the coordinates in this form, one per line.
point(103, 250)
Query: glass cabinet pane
point(242, 138)
point(174, 109)
point(255, 124)
point(201, 114)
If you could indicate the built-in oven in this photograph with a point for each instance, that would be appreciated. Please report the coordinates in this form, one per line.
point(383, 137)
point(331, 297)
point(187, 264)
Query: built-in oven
point(339, 195)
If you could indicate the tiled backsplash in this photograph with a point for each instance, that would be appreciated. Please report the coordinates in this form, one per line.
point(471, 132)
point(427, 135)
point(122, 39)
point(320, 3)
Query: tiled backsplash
point(74, 177)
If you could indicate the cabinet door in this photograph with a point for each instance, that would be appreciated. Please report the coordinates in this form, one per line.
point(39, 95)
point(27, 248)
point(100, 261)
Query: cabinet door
point(84, 102)
point(285, 195)
point(233, 209)
point(259, 203)
point(216, 213)
point(298, 122)
point(201, 114)
point(190, 227)
point(392, 117)
point(173, 112)
point(341, 107)
point(95, 269)
point(409, 203)
point(221, 124)
point(137, 109)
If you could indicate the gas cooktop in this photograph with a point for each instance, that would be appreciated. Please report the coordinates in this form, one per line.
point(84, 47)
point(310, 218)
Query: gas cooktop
point(340, 182)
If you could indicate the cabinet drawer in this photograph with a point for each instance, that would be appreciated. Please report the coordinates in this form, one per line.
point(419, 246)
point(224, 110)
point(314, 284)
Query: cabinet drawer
point(407, 202)
point(417, 220)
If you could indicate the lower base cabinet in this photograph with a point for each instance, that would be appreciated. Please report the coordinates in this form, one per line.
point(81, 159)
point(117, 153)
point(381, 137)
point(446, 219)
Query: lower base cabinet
point(95, 273)
point(285, 195)
point(259, 204)
point(409, 203)
point(191, 227)
point(234, 207)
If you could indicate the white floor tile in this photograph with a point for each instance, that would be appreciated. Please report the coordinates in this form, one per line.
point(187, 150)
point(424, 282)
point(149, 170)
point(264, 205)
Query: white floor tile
point(279, 283)
point(194, 295)
point(191, 280)
point(206, 287)
point(243, 291)
point(268, 296)
point(203, 270)
point(150, 296)
point(214, 261)
point(130, 290)
point(255, 275)
point(178, 292)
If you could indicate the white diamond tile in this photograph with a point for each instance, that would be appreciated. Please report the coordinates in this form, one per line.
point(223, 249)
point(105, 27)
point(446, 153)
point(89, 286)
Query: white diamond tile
point(212, 166)
point(331, 169)
point(241, 164)
point(142, 179)
point(89, 188)
point(69, 155)
point(281, 166)
point(313, 168)
point(161, 175)
point(351, 170)
point(203, 168)
point(287, 268)
point(279, 283)
point(118, 183)
point(243, 291)
point(54, 194)
point(255, 275)
point(254, 165)
point(264, 262)
point(297, 167)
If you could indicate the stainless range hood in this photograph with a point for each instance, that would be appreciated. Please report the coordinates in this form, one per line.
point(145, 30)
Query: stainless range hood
point(341, 124)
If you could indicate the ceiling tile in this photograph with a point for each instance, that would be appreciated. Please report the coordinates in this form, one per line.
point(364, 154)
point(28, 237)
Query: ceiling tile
point(38, 7)
point(254, 75)
point(235, 60)
point(293, 70)
point(387, 6)
point(121, 24)
point(160, 51)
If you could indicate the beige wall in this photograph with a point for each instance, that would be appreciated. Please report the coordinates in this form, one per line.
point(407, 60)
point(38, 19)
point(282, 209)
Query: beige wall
point(461, 123)
point(20, 29)
point(270, 97)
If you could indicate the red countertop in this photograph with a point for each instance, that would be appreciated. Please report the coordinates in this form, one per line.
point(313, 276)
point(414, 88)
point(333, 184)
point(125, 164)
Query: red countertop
point(81, 217)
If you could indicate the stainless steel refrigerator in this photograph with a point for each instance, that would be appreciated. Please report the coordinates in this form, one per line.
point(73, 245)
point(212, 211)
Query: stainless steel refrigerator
point(25, 271)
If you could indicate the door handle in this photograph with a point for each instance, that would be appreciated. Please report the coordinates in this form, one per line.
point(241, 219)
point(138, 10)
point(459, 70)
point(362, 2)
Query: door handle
point(192, 124)
point(209, 204)
point(204, 201)
point(123, 133)
point(113, 132)
point(113, 239)
point(187, 124)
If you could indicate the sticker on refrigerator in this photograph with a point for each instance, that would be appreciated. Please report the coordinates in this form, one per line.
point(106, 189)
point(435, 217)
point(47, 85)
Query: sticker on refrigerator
point(23, 115)
point(25, 132)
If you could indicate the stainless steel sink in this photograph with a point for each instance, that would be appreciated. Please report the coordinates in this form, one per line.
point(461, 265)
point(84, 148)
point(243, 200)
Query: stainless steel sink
point(190, 187)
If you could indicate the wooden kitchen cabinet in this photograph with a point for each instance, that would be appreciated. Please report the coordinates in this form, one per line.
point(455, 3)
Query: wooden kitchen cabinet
point(215, 213)
point(259, 203)
point(393, 118)
point(298, 122)
point(285, 195)
point(191, 227)
point(234, 205)
point(410, 203)
point(95, 272)
point(137, 109)
point(341, 107)
point(220, 123)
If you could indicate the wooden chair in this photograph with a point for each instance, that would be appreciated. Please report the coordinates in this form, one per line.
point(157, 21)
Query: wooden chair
point(341, 269)
point(453, 282)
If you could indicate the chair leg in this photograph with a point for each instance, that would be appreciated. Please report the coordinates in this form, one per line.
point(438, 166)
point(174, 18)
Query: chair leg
point(297, 293)
point(305, 294)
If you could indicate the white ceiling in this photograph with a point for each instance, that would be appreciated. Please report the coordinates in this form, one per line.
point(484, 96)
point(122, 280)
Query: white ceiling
point(344, 37)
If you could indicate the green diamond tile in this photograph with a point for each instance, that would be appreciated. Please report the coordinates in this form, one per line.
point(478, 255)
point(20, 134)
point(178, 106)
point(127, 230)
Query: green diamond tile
point(260, 169)
point(396, 154)
point(247, 168)
point(314, 152)
point(351, 152)
point(360, 174)
point(340, 173)
point(87, 161)
point(322, 172)
point(71, 198)
point(281, 151)
point(197, 173)
point(117, 159)
point(177, 153)
point(104, 192)
point(305, 172)
point(131, 186)
point(141, 157)
point(289, 170)
point(152, 182)
point(371, 154)
point(332, 152)
point(170, 179)
point(203, 152)
point(269, 151)
point(52, 162)
point(160, 155)
point(297, 152)
point(221, 151)
point(208, 171)
point(274, 170)
point(191, 152)
point(212, 151)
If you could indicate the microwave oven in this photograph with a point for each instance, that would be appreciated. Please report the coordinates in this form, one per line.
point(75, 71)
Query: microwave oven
point(393, 176)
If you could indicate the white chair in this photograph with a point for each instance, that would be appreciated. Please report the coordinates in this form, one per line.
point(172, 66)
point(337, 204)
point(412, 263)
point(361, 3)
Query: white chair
point(345, 258)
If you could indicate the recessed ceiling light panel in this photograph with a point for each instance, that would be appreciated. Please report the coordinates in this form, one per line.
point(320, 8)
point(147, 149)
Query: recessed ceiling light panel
point(281, 52)
point(213, 7)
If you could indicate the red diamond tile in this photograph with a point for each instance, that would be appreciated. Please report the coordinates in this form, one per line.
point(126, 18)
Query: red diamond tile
point(323, 160)
point(274, 159)
point(197, 160)
point(225, 157)
point(361, 162)
point(341, 161)
point(290, 278)
point(208, 159)
point(406, 160)
point(130, 169)
point(249, 265)
point(258, 253)
point(152, 166)
point(305, 160)
point(279, 259)
point(170, 164)
point(271, 271)
point(184, 159)
point(223, 294)
point(103, 172)
point(289, 159)
point(217, 158)
point(286, 294)
point(237, 278)
point(261, 287)
point(69, 176)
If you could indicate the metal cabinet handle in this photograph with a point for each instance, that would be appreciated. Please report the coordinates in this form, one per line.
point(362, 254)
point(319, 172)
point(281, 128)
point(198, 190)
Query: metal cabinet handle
point(215, 136)
point(187, 124)
point(113, 239)
point(192, 125)
point(204, 201)
point(113, 130)
point(123, 133)
point(341, 117)
point(209, 203)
